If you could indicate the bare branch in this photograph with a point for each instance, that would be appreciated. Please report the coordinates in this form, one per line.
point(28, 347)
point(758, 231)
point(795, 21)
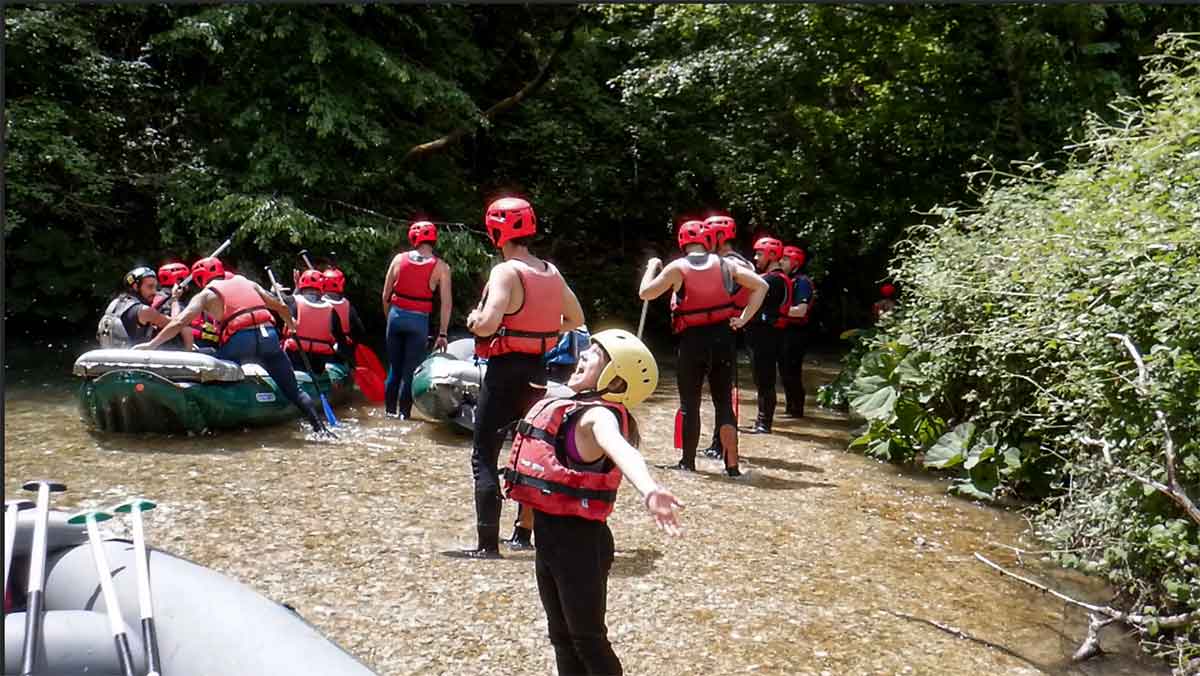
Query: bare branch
point(1142, 381)
point(504, 104)
point(1136, 619)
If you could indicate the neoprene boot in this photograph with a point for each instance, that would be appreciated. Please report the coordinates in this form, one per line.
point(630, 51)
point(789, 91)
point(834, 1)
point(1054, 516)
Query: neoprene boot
point(522, 538)
point(487, 526)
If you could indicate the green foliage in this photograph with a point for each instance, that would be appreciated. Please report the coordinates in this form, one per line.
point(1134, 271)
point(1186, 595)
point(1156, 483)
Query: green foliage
point(1013, 307)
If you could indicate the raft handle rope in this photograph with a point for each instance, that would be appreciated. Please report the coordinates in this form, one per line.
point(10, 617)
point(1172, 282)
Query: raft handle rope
point(135, 508)
point(37, 571)
point(112, 605)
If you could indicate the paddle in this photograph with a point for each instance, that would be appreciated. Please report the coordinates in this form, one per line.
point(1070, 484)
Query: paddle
point(678, 411)
point(369, 374)
point(329, 416)
point(220, 250)
point(35, 599)
point(112, 606)
point(142, 564)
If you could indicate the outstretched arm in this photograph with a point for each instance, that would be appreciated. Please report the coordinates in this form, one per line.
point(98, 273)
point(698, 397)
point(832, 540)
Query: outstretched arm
point(601, 425)
point(176, 323)
point(277, 306)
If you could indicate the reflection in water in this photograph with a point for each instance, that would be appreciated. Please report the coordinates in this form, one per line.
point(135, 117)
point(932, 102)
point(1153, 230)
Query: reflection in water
point(861, 571)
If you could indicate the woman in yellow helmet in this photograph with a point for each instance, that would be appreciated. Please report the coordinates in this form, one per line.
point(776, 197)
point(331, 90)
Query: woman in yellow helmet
point(568, 457)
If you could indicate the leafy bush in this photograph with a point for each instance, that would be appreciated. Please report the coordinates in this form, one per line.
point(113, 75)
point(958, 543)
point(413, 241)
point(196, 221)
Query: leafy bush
point(1001, 363)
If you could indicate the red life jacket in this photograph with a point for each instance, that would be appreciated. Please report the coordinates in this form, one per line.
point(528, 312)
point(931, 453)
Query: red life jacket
point(314, 333)
point(411, 289)
point(533, 328)
point(741, 294)
point(812, 298)
point(705, 295)
point(204, 330)
point(539, 473)
point(341, 308)
point(244, 308)
point(781, 319)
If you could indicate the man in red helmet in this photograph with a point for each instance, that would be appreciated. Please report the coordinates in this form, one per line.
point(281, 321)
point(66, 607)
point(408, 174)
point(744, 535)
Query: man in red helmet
point(408, 287)
point(724, 233)
point(704, 316)
point(526, 305)
point(133, 316)
point(885, 304)
point(797, 330)
point(765, 333)
point(243, 310)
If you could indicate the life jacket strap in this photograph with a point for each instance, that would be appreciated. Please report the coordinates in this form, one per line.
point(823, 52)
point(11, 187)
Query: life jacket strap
point(516, 478)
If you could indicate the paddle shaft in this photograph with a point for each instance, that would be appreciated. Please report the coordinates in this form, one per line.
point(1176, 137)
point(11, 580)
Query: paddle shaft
point(145, 602)
point(112, 606)
point(37, 580)
point(304, 357)
point(220, 250)
point(642, 321)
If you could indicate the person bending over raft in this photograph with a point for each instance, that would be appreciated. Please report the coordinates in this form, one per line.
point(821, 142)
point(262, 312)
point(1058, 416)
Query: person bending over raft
point(723, 230)
point(568, 457)
point(408, 289)
point(247, 329)
point(704, 317)
point(133, 316)
point(203, 329)
point(766, 331)
point(526, 304)
point(796, 333)
point(335, 289)
point(319, 330)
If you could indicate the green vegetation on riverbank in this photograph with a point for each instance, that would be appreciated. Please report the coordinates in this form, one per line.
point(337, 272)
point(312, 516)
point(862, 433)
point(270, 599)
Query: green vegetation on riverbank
point(1005, 363)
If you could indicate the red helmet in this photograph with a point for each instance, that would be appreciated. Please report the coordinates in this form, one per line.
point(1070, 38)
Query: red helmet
point(172, 274)
point(723, 229)
point(311, 279)
point(694, 232)
point(206, 270)
point(771, 248)
point(335, 281)
point(422, 231)
point(509, 218)
point(887, 290)
point(796, 255)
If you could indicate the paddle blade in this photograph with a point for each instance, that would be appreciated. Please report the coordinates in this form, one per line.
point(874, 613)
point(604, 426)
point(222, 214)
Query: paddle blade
point(370, 384)
point(679, 429)
point(329, 416)
point(365, 358)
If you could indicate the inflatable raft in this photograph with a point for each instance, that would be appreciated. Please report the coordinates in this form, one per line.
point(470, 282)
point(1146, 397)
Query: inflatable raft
point(446, 385)
point(165, 391)
point(207, 624)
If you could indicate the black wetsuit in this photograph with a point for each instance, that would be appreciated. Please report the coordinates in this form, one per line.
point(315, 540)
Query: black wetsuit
point(796, 337)
point(704, 351)
point(767, 348)
point(512, 384)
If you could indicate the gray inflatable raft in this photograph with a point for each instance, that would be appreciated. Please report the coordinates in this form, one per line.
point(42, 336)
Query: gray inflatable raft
point(207, 623)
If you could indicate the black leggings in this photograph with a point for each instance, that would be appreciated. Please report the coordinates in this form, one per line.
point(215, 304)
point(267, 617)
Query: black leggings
point(792, 369)
point(704, 351)
point(512, 384)
point(574, 556)
point(766, 353)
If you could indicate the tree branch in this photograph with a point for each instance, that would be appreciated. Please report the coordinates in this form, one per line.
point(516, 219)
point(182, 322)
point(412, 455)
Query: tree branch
point(504, 104)
point(1135, 619)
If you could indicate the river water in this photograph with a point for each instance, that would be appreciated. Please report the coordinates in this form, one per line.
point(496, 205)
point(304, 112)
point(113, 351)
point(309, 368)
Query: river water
point(822, 562)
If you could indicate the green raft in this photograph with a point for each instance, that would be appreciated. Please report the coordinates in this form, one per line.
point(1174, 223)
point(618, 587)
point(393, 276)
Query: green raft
point(168, 392)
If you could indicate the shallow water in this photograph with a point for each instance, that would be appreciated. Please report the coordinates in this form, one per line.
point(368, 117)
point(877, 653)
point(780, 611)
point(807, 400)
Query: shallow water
point(822, 562)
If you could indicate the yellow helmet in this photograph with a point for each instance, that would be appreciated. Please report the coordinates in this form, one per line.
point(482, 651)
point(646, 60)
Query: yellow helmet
point(631, 361)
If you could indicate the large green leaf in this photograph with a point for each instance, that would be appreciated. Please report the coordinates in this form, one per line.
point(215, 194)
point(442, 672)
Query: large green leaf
point(951, 448)
point(878, 405)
